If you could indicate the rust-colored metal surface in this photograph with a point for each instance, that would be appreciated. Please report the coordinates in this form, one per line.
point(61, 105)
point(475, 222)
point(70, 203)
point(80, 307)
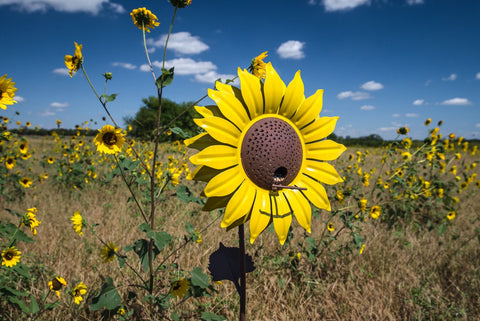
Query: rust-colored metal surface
point(271, 153)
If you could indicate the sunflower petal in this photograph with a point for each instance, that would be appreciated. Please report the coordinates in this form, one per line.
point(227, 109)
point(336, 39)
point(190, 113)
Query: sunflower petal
point(204, 173)
point(315, 192)
point(220, 86)
point(319, 129)
point(224, 183)
point(274, 89)
point(300, 207)
point(213, 203)
point(261, 214)
point(220, 129)
point(294, 97)
point(309, 110)
point(324, 150)
point(230, 107)
point(216, 156)
point(239, 205)
point(201, 141)
point(282, 217)
point(322, 172)
point(207, 111)
point(251, 92)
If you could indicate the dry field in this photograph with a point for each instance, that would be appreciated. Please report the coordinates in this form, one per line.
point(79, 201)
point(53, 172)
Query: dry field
point(405, 272)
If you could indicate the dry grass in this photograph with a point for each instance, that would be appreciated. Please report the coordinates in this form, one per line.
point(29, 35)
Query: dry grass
point(403, 274)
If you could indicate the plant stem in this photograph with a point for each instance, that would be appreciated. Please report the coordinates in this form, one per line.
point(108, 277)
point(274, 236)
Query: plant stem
point(243, 281)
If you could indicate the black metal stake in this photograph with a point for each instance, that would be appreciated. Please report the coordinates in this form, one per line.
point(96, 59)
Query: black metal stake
point(243, 281)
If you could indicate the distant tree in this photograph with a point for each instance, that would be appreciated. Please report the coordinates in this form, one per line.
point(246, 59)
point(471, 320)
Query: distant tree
point(145, 120)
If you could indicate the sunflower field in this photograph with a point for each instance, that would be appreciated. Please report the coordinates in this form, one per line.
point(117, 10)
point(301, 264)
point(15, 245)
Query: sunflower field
point(111, 227)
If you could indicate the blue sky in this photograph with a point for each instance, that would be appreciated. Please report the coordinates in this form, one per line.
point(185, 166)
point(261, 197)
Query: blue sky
point(382, 63)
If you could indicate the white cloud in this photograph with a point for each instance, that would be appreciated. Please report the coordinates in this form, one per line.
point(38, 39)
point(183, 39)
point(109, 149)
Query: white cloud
point(477, 76)
point(47, 112)
point(367, 107)
point(90, 6)
point(125, 65)
point(59, 105)
point(414, 2)
point(19, 99)
point(336, 5)
point(456, 102)
point(452, 77)
point(181, 42)
point(292, 49)
point(477, 125)
point(357, 95)
point(387, 129)
point(411, 115)
point(60, 71)
point(211, 76)
point(418, 102)
point(372, 85)
point(396, 115)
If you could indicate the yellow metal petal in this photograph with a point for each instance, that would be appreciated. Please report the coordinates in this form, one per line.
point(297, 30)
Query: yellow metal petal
point(220, 86)
point(207, 111)
point(251, 92)
point(261, 214)
point(231, 107)
point(224, 183)
point(201, 141)
point(220, 129)
point(282, 217)
point(216, 156)
point(239, 205)
point(204, 173)
point(324, 150)
point(309, 110)
point(294, 97)
point(300, 207)
point(322, 172)
point(314, 192)
point(319, 129)
point(213, 203)
point(274, 89)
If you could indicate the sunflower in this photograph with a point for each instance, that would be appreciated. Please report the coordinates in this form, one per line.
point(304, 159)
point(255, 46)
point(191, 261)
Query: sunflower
point(375, 212)
point(428, 121)
point(144, 19)
point(74, 62)
point(10, 162)
point(30, 220)
point(51, 160)
point(23, 147)
point(451, 215)
point(109, 140)
point(78, 291)
point(77, 221)
point(257, 66)
point(11, 256)
point(7, 92)
point(330, 227)
point(179, 288)
point(108, 252)
point(26, 182)
point(263, 153)
point(56, 285)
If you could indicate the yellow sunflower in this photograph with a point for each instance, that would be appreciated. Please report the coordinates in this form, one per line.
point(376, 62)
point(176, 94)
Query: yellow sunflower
point(10, 162)
point(23, 147)
point(375, 212)
point(77, 222)
point(26, 182)
point(74, 62)
point(108, 252)
point(11, 256)
point(30, 220)
point(180, 288)
point(144, 19)
point(78, 291)
point(109, 140)
point(7, 92)
point(263, 153)
point(56, 285)
point(257, 66)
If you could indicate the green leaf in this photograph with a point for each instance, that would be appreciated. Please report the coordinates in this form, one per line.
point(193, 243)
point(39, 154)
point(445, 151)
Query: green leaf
point(184, 194)
point(189, 228)
point(108, 297)
point(199, 278)
point(174, 316)
point(33, 305)
point(19, 303)
point(161, 239)
point(109, 97)
point(140, 247)
point(210, 316)
point(166, 78)
point(53, 305)
point(180, 132)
